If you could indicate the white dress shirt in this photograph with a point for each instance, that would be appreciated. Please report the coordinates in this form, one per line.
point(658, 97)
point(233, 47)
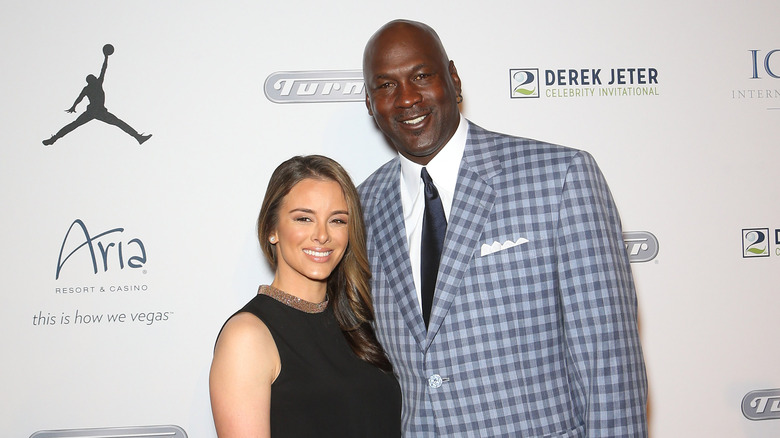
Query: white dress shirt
point(443, 169)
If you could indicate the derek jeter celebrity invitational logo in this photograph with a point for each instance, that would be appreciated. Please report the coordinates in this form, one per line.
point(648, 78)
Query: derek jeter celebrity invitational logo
point(583, 82)
point(524, 82)
point(755, 242)
point(96, 109)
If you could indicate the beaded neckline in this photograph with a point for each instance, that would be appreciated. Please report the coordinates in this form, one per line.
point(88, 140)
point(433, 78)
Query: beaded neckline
point(293, 301)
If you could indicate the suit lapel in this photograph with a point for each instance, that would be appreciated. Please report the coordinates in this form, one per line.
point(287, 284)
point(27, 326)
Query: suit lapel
point(393, 249)
point(471, 207)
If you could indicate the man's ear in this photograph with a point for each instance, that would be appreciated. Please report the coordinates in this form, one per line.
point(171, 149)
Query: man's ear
point(368, 105)
point(454, 75)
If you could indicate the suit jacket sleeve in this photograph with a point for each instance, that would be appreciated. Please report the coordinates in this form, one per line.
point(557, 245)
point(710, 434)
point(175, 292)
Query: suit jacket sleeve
point(599, 309)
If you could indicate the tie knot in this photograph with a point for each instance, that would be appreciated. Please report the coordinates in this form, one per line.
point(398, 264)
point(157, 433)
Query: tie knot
point(425, 176)
point(430, 188)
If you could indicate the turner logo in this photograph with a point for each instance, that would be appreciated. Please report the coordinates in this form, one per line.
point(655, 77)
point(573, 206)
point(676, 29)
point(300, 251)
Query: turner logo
point(762, 405)
point(315, 86)
point(755, 242)
point(115, 432)
point(642, 246)
point(113, 249)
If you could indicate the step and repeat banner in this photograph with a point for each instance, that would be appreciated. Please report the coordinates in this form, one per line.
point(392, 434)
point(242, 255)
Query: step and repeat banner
point(138, 138)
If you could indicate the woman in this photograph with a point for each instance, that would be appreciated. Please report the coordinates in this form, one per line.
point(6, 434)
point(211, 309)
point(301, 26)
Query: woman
point(301, 358)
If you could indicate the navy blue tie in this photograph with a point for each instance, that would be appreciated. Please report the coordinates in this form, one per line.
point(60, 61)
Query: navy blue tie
point(433, 229)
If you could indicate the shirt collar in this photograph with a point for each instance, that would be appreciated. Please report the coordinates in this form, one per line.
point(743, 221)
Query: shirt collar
point(443, 168)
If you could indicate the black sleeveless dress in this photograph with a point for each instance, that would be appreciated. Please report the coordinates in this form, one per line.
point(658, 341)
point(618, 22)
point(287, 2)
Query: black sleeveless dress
point(323, 389)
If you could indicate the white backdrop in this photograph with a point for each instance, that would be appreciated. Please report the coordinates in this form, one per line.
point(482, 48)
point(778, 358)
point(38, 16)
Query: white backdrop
point(695, 163)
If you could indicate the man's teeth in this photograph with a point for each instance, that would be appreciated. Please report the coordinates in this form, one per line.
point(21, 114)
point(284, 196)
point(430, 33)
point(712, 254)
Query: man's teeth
point(413, 121)
point(317, 253)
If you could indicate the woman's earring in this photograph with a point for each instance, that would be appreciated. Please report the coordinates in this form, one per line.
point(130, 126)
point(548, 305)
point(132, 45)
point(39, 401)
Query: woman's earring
point(272, 239)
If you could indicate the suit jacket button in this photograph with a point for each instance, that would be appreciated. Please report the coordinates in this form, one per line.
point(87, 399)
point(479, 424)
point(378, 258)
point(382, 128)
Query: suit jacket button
point(435, 381)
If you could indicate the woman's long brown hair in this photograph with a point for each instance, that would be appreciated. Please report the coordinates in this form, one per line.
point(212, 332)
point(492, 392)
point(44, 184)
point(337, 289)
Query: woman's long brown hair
point(349, 289)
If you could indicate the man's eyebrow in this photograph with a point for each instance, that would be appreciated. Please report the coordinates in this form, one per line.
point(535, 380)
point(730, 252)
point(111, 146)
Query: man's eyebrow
point(412, 69)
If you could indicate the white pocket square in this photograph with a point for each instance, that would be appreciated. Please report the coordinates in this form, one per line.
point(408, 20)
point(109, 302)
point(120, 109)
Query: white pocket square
point(496, 247)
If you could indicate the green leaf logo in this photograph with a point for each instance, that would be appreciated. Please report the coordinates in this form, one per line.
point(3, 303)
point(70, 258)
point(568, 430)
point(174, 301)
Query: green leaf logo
point(525, 91)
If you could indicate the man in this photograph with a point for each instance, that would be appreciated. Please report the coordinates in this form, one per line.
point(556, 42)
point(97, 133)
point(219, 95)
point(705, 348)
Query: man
point(532, 326)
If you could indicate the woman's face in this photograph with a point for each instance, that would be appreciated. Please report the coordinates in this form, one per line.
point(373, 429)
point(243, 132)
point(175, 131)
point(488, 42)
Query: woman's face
point(311, 233)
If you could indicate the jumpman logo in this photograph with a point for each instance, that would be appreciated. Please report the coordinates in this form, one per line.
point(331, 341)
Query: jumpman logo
point(96, 109)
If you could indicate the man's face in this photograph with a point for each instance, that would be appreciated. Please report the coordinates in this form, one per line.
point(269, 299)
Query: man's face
point(411, 91)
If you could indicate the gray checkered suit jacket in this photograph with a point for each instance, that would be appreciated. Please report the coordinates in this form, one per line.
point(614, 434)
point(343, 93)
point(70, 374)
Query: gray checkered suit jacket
point(536, 340)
